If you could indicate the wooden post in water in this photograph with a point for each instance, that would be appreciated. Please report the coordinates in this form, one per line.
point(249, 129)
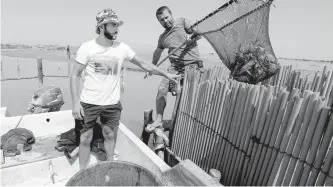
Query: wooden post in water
point(58, 65)
point(18, 68)
point(40, 74)
point(148, 118)
point(69, 68)
point(2, 70)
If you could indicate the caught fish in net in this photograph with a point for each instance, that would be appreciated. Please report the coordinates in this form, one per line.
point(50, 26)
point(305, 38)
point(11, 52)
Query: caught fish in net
point(238, 32)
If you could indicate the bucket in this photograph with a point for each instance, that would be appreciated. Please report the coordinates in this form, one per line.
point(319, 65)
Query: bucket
point(114, 173)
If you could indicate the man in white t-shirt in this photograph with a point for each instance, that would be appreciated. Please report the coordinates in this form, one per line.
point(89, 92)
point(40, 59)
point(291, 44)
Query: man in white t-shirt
point(101, 59)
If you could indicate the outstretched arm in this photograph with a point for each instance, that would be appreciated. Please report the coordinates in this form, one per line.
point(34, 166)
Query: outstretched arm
point(152, 68)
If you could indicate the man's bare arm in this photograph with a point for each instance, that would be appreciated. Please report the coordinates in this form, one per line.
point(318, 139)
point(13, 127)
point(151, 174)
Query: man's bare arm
point(157, 55)
point(151, 68)
point(75, 81)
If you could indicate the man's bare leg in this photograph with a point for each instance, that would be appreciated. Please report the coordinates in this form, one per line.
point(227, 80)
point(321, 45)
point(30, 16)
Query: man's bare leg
point(110, 139)
point(84, 152)
point(160, 106)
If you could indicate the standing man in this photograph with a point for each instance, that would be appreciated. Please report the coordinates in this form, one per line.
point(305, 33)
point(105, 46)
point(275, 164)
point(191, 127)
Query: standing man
point(102, 59)
point(68, 52)
point(176, 32)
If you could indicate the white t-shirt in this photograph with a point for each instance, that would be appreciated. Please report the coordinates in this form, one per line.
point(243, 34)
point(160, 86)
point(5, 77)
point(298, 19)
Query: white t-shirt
point(99, 89)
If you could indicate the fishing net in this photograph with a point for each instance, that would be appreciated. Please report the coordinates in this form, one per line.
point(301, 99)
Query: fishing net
point(238, 32)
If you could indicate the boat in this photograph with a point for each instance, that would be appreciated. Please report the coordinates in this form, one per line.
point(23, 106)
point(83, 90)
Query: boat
point(45, 166)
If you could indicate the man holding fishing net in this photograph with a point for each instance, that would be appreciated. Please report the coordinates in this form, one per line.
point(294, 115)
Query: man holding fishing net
point(183, 51)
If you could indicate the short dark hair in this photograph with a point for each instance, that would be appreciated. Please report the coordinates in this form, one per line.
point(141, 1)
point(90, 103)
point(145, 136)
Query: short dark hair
point(162, 9)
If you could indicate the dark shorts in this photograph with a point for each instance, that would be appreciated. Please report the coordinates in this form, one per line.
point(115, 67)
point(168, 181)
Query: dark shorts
point(163, 88)
point(109, 115)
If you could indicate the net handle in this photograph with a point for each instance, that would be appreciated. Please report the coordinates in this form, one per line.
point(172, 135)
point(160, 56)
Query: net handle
point(214, 12)
point(176, 49)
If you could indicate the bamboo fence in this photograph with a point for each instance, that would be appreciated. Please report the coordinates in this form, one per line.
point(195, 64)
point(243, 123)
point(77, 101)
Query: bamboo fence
point(278, 132)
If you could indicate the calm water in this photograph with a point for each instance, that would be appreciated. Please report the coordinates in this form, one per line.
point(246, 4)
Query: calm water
point(139, 93)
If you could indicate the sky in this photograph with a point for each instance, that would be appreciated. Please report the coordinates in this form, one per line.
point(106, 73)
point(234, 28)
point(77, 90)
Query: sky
point(297, 28)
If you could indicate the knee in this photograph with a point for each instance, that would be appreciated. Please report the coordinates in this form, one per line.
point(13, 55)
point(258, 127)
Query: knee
point(109, 134)
point(85, 138)
point(161, 94)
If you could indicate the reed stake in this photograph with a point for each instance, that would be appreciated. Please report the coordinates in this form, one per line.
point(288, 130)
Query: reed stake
point(307, 140)
point(40, 74)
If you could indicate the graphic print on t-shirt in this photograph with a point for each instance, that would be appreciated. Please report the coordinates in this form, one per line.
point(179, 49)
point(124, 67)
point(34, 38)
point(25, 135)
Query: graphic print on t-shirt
point(111, 61)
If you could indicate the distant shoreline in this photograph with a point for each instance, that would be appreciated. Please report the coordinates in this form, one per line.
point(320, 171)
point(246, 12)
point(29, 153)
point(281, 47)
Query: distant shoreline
point(57, 48)
point(299, 59)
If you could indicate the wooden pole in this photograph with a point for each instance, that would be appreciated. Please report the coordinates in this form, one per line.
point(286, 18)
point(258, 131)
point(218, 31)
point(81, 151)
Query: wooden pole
point(196, 124)
point(317, 82)
point(2, 76)
point(175, 132)
point(18, 68)
point(219, 113)
point(245, 135)
point(313, 84)
point(329, 179)
point(176, 135)
point(223, 126)
point(213, 124)
point(291, 142)
point(306, 143)
point(257, 134)
point(329, 88)
point(250, 134)
point(190, 109)
point(147, 119)
point(194, 110)
point(300, 139)
point(271, 138)
point(201, 119)
point(323, 78)
point(240, 137)
point(314, 147)
point(205, 119)
point(239, 110)
point(40, 74)
point(196, 97)
point(322, 151)
point(280, 142)
point(262, 149)
point(230, 127)
point(69, 68)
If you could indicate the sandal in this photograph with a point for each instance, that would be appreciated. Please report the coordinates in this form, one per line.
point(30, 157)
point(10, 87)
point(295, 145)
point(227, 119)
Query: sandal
point(151, 127)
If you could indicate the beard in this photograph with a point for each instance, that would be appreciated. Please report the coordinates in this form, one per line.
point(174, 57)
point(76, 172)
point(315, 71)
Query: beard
point(110, 36)
point(167, 25)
